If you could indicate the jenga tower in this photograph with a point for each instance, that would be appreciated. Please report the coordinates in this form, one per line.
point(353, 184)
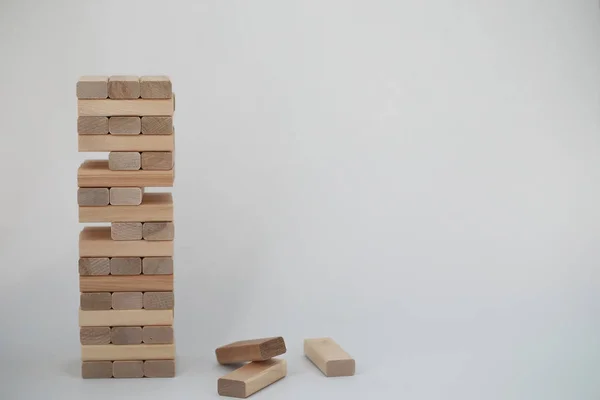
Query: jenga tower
point(126, 267)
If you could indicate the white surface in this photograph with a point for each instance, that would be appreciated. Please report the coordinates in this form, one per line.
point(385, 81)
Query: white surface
point(417, 179)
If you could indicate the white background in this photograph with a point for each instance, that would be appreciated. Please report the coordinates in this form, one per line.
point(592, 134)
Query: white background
point(416, 179)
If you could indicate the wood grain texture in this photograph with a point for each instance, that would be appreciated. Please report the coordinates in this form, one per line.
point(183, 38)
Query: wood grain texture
point(250, 350)
point(125, 266)
point(133, 352)
point(95, 173)
point(157, 265)
point(96, 369)
point(95, 301)
point(123, 87)
point(92, 87)
point(159, 368)
point(94, 266)
point(156, 87)
point(159, 300)
point(127, 300)
point(126, 335)
point(126, 196)
point(124, 125)
point(94, 335)
point(95, 241)
point(158, 231)
point(157, 125)
point(251, 378)
point(128, 369)
point(124, 161)
point(157, 334)
point(329, 357)
point(92, 125)
point(157, 160)
point(93, 197)
point(101, 143)
point(127, 283)
point(126, 231)
point(125, 318)
point(124, 108)
point(154, 207)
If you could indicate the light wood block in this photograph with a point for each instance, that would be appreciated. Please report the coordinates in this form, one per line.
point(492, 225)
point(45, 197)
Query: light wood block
point(96, 369)
point(94, 335)
point(123, 87)
point(125, 125)
point(157, 125)
point(126, 335)
point(95, 173)
point(125, 266)
point(95, 301)
point(158, 231)
point(126, 196)
point(92, 87)
point(157, 160)
point(126, 231)
point(329, 357)
point(154, 207)
point(159, 300)
point(251, 350)
point(128, 369)
point(157, 265)
point(133, 352)
point(251, 378)
point(124, 161)
point(95, 241)
point(159, 368)
point(156, 87)
point(132, 283)
point(94, 266)
point(125, 318)
point(92, 125)
point(157, 334)
point(124, 108)
point(101, 143)
point(93, 197)
point(127, 301)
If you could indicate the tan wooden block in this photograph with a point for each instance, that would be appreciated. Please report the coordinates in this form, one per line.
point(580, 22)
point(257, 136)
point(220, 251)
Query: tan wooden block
point(101, 143)
point(126, 335)
point(154, 125)
point(124, 108)
point(157, 265)
point(92, 87)
point(92, 197)
point(95, 301)
point(116, 352)
point(94, 335)
point(251, 350)
point(126, 196)
point(94, 266)
point(124, 125)
point(159, 300)
point(127, 301)
point(125, 266)
point(158, 231)
point(251, 378)
point(96, 369)
point(95, 241)
point(156, 87)
point(128, 369)
point(123, 87)
point(127, 283)
point(126, 231)
point(154, 207)
point(124, 161)
point(92, 125)
point(157, 160)
point(125, 318)
point(95, 173)
point(329, 357)
point(159, 368)
point(157, 334)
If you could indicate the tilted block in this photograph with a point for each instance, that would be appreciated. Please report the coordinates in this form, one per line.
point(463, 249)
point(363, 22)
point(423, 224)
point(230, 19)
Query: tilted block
point(95, 301)
point(94, 335)
point(158, 231)
point(159, 368)
point(124, 161)
point(154, 207)
point(156, 87)
point(157, 265)
point(251, 378)
point(125, 266)
point(157, 160)
point(126, 335)
point(158, 300)
point(127, 283)
point(100, 143)
point(125, 318)
point(94, 266)
point(329, 357)
point(126, 231)
point(93, 197)
point(126, 196)
point(92, 125)
point(92, 87)
point(95, 173)
point(127, 301)
point(124, 125)
point(96, 369)
point(250, 350)
point(157, 334)
point(128, 369)
point(95, 241)
point(123, 87)
point(155, 125)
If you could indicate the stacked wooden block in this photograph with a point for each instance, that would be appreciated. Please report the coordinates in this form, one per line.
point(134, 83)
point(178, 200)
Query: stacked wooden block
point(126, 266)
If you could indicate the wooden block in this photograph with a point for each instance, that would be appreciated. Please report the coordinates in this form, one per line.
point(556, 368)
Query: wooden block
point(116, 352)
point(95, 241)
point(125, 266)
point(251, 350)
point(126, 196)
point(154, 207)
point(124, 161)
point(126, 335)
point(92, 197)
point(128, 283)
point(157, 334)
point(157, 265)
point(92, 87)
point(96, 369)
point(159, 368)
point(329, 357)
point(124, 108)
point(95, 173)
point(158, 231)
point(94, 266)
point(123, 87)
point(157, 160)
point(158, 300)
point(100, 143)
point(125, 125)
point(157, 125)
point(127, 301)
point(95, 301)
point(251, 378)
point(128, 369)
point(94, 335)
point(155, 87)
point(125, 318)
point(126, 231)
point(92, 125)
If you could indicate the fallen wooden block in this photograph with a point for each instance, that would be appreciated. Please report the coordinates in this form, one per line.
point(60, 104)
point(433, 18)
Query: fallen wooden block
point(100, 143)
point(329, 357)
point(96, 369)
point(125, 266)
point(154, 207)
point(95, 301)
point(122, 335)
point(157, 265)
point(116, 352)
point(125, 318)
point(251, 350)
point(124, 125)
point(158, 231)
point(93, 197)
point(92, 87)
point(157, 334)
point(251, 378)
point(123, 87)
point(126, 231)
point(155, 87)
point(157, 160)
point(92, 125)
point(124, 108)
point(94, 266)
point(126, 196)
point(159, 368)
point(94, 335)
point(95, 173)
point(159, 300)
point(95, 241)
point(128, 369)
point(127, 301)
point(154, 125)
point(124, 161)
point(126, 283)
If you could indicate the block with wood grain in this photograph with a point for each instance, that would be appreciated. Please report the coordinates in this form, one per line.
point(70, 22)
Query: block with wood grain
point(252, 377)
point(329, 357)
point(251, 350)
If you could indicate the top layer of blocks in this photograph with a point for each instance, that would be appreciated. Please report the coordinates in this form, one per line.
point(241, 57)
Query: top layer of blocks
point(123, 87)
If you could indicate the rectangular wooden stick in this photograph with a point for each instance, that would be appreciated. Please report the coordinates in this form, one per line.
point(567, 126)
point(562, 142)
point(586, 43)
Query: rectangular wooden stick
point(159, 368)
point(95, 241)
point(155, 87)
point(95, 173)
point(123, 87)
point(329, 357)
point(94, 335)
point(92, 125)
point(126, 231)
point(158, 231)
point(126, 108)
point(128, 352)
point(159, 300)
point(126, 196)
point(154, 207)
point(96, 369)
point(157, 334)
point(124, 125)
point(126, 283)
point(128, 369)
point(92, 197)
point(100, 143)
point(125, 318)
point(95, 301)
point(127, 300)
point(94, 266)
point(126, 335)
point(157, 265)
point(92, 87)
point(125, 266)
point(250, 350)
point(251, 378)
point(157, 125)
point(124, 161)
point(157, 160)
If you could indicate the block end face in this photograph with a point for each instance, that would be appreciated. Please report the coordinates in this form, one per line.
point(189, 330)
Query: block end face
point(272, 348)
point(231, 388)
point(339, 368)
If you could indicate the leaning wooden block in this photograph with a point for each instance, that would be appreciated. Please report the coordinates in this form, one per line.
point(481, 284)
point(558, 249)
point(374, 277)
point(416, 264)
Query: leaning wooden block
point(125, 318)
point(95, 173)
point(155, 87)
point(158, 231)
point(329, 357)
point(128, 369)
point(124, 108)
point(127, 300)
point(124, 161)
point(132, 283)
point(251, 350)
point(99, 143)
point(122, 335)
point(92, 125)
point(92, 87)
point(94, 335)
point(157, 265)
point(93, 197)
point(125, 125)
point(123, 87)
point(126, 231)
point(158, 300)
point(127, 352)
point(154, 125)
point(157, 160)
point(154, 207)
point(96, 369)
point(251, 378)
point(95, 301)
point(157, 334)
point(126, 196)
point(94, 266)
point(125, 266)
point(159, 368)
